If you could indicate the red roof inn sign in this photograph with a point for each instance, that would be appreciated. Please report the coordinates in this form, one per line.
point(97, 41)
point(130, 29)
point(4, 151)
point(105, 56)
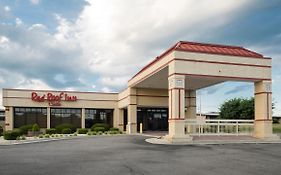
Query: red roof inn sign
point(52, 99)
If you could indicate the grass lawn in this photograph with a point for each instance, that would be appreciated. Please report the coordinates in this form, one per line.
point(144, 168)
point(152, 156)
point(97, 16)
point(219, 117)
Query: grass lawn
point(277, 128)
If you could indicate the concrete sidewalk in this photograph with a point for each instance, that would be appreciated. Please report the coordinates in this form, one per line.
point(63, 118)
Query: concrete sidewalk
point(211, 140)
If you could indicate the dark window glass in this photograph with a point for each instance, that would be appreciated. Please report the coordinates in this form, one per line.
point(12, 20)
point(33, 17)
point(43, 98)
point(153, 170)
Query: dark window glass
point(66, 115)
point(93, 116)
point(153, 118)
point(27, 116)
point(2, 116)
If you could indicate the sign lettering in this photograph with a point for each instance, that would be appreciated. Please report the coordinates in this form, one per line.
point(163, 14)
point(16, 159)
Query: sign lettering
point(52, 99)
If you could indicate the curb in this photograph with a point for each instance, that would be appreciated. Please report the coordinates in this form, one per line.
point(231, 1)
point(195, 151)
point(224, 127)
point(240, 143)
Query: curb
point(10, 143)
point(158, 141)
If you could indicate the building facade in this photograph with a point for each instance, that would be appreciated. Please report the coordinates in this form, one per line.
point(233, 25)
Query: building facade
point(161, 95)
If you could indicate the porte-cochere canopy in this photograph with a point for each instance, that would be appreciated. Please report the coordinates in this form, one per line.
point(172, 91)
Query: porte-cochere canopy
point(189, 66)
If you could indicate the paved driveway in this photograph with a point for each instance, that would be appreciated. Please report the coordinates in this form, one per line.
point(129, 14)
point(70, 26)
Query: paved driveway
point(131, 155)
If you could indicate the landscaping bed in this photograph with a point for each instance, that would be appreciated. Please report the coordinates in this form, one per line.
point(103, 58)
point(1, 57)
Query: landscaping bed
point(32, 133)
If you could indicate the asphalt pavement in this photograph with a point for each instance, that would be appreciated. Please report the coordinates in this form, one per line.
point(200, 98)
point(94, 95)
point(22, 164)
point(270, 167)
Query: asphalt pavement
point(132, 155)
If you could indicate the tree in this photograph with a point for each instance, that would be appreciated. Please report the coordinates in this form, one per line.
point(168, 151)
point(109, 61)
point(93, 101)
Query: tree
point(238, 108)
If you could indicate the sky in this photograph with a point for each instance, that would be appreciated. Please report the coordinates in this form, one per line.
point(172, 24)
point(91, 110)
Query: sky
point(98, 45)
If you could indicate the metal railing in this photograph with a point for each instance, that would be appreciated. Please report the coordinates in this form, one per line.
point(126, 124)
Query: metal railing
point(219, 127)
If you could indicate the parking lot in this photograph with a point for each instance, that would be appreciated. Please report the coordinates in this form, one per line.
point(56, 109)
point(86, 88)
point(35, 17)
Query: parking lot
point(132, 155)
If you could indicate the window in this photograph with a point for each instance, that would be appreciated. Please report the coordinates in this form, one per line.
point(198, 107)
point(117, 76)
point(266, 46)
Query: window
point(93, 116)
point(26, 116)
point(65, 115)
point(2, 115)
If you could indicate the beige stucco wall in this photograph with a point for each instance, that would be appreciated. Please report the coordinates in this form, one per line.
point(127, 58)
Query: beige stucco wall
point(127, 98)
point(22, 98)
point(221, 58)
point(14, 97)
point(221, 70)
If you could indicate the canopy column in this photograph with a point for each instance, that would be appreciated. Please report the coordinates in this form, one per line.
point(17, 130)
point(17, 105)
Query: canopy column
point(177, 110)
point(132, 112)
point(263, 110)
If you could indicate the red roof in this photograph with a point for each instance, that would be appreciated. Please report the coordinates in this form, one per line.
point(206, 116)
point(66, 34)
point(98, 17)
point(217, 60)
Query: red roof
point(218, 49)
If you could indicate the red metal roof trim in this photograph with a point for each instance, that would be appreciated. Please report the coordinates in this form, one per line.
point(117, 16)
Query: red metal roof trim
point(205, 48)
point(156, 59)
point(217, 49)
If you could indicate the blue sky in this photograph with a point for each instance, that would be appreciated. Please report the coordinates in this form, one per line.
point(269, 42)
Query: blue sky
point(97, 45)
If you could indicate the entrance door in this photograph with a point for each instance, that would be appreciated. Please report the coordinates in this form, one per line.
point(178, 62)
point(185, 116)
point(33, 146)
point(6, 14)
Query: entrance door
point(153, 119)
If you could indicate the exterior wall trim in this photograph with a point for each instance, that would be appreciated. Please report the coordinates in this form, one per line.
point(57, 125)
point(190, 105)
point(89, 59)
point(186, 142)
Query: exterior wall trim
point(216, 76)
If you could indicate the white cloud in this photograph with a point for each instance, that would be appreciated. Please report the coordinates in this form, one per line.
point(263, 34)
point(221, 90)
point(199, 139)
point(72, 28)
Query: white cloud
point(7, 8)
point(35, 2)
point(117, 44)
point(18, 22)
point(107, 43)
point(4, 40)
point(106, 89)
point(33, 84)
point(116, 82)
point(37, 27)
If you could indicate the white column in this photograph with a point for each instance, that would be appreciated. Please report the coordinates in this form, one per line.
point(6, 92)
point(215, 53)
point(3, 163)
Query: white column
point(132, 119)
point(177, 110)
point(48, 117)
point(263, 110)
point(83, 118)
point(9, 118)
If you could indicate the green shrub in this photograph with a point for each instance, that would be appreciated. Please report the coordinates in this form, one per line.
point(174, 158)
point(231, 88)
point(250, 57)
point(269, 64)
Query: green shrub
point(114, 129)
point(35, 127)
point(51, 131)
point(66, 131)
point(24, 129)
point(277, 128)
point(99, 133)
point(114, 132)
point(82, 131)
point(12, 135)
point(99, 129)
point(41, 136)
point(59, 128)
point(104, 125)
point(47, 135)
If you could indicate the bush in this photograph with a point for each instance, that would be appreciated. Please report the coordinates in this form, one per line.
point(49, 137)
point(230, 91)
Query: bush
point(41, 136)
point(24, 129)
point(51, 131)
point(35, 127)
point(99, 129)
point(104, 125)
point(82, 131)
point(12, 135)
point(115, 132)
point(47, 136)
point(114, 129)
point(99, 133)
point(66, 131)
point(59, 128)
